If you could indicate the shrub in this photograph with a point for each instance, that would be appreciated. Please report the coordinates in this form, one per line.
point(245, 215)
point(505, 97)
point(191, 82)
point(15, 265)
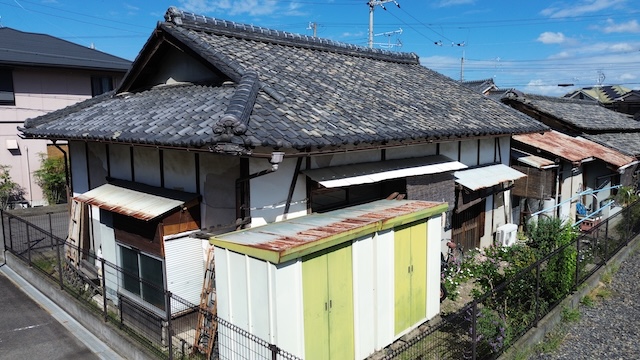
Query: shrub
point(51, 178)
point(9, 190)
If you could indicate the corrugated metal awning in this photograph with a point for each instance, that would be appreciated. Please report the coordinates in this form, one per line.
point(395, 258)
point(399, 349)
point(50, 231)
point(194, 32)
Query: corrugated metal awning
point(537, 162)
point(486, 176)
point(373, 172)
point(135, 203)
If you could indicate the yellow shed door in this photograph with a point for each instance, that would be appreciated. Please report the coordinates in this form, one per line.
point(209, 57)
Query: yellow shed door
point(410, 263)
point(327, 290)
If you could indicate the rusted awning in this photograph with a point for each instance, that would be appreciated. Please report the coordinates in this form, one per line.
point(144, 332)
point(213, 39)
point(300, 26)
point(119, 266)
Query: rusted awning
point(143, 205)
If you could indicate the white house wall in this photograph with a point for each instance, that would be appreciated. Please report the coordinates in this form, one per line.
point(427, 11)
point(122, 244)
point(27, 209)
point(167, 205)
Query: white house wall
point(434, 226)
point(179, 171)
point(269, 192)
point(217, 186)
point(120, 161)
point(146, 166)
point(80, 176)
point(97, 162)
point(411, 151)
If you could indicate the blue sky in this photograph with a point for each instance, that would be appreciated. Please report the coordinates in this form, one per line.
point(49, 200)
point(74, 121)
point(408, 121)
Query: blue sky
point(530, 45)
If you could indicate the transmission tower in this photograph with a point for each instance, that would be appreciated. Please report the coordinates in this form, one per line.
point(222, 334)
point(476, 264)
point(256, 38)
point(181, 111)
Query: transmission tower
point(372, 4)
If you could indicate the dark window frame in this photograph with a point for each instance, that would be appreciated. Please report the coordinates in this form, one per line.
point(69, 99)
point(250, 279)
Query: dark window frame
point(142, 276)
point(7, 91)
point(101, 84)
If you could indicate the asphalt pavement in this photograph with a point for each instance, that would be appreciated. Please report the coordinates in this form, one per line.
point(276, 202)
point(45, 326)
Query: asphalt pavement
point(33, 327)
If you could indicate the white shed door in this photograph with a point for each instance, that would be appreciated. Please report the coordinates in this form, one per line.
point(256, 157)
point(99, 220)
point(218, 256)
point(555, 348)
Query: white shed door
point(184, 261)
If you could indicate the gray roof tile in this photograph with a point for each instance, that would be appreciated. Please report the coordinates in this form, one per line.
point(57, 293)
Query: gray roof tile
point(291, 91)
point(583, 115)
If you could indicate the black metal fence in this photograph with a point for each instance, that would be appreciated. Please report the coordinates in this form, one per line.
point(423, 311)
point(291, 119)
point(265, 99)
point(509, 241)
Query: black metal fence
point(167, 328)
point(489, 325)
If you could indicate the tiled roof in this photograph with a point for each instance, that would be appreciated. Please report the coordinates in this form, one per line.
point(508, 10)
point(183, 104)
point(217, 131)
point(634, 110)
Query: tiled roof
point(581, 114)
point(480, 86)
point(23, 48)
point(605, 94)
point(627, 143)
point(571, 148)
point(291, 91)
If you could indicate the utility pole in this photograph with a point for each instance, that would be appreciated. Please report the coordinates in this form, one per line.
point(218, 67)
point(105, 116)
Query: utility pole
point(313, 26)
point(372, 4)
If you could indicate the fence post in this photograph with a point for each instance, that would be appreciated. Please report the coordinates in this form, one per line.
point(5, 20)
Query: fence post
point(60, 264)
point(274, 351)
point(104, 291)
point(535, 323)
point(577, 277)
point(50, 230)
point(474, 334)
point(169, 332)
point(26, 225)
point(10, 234)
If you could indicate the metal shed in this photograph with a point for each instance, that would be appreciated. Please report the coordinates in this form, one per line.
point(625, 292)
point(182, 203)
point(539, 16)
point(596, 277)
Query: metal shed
point(337, 285)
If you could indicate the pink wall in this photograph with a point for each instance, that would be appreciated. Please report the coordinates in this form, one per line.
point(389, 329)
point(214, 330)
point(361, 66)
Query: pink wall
point(38, 91)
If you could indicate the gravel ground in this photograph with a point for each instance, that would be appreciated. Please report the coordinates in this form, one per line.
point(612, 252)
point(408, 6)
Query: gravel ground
point(610, 329)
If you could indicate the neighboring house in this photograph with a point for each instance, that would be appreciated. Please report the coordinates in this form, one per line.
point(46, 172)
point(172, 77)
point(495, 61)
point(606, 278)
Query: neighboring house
point(221, 126)
point(484, 87)
point(40, 73)
point(579, 119)
point(614, 97)
point(559, 168)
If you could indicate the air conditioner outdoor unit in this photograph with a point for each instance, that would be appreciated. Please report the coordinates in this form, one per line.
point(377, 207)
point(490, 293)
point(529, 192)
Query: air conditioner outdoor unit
point(506, 235)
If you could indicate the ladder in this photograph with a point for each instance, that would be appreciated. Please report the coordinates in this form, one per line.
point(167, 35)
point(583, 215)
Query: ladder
point(207, 327)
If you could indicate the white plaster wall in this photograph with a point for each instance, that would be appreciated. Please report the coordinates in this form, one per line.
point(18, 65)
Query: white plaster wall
point(217, 186)
point(571, 184)
point(449, 149)
point(320, 161)
point(146, 165)
point(469, 152)
point(120, 161)
point(269, 192)
point(22, 162)
point(411, 151)
point(79, 175)
point(487, 151)
point(179, 170)
point(97, 154)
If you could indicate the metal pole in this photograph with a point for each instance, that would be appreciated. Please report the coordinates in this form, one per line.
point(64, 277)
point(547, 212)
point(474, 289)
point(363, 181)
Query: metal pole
point(474, 335)
point(274, 351)
point(50, 231)
point(60, 266)
point(169, 334)
point(28, 243)
point(104, 291)
point(371, 24)
point(537, 294)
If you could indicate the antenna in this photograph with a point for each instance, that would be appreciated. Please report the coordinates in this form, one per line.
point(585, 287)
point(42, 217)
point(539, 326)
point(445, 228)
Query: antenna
point(372, 4)
point(388, 34)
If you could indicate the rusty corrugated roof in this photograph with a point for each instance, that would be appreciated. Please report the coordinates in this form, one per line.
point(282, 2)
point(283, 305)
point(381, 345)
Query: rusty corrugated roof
point(574, 149)
point(133, 202)
point(293, 238)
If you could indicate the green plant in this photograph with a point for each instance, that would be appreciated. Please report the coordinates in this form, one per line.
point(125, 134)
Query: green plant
point(51, 177)
point(9, 190)
point(570, 315)
point(587, 300)
point(552, 341)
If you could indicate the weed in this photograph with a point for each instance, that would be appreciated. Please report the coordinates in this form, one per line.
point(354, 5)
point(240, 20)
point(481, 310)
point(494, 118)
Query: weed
point(570, 315)
point(587, 300)
point(551, 343)
point(607, 276)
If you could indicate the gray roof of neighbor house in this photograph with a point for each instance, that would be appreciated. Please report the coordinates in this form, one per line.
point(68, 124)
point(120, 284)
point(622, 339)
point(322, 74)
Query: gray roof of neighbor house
point(627, 142)
point(29, 49)
point(581, 115)
point(480, 86)
point(280, 90)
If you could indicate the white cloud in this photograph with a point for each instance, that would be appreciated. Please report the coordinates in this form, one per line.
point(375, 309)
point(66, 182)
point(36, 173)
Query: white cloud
point(631, 26)
point(446, 3)
point(538, 86)
point(581, 8)
point(231, 7)
point(552, 38)
point(627, 77)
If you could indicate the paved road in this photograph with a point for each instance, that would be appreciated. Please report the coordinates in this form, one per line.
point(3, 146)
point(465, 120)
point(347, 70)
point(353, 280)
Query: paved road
point(33, 327)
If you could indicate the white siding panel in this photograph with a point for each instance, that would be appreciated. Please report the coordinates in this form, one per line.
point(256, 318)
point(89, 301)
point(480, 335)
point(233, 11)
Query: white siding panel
point(239, 295)
point(185, 268)
point(384, 250)
point(434, 226)
point(223, 292)
point(364, 296)
point(259, 298)
point(288, 310)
